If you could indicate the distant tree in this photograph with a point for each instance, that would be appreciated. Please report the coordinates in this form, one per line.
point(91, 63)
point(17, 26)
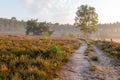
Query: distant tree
point(86, 19)
point(56, 24)
point(103, 35)
point(31, 24)
point(42, 28)
point(37, 28)
point(13, 23)
point(13, 19)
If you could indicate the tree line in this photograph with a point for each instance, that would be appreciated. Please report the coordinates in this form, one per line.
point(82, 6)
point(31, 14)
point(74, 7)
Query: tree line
point(13, 24)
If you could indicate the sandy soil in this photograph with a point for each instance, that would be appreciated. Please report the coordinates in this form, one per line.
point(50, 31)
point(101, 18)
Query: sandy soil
point(78, 68)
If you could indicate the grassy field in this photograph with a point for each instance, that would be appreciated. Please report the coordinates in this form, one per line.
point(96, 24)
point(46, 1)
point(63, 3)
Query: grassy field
point(111, 48)
point(33, 58)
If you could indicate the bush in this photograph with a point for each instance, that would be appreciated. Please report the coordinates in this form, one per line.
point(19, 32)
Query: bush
point(93, 68)
point(94, 58)
point(53, 52)
point(90, 48)
point(86, 53)
point(112, 49)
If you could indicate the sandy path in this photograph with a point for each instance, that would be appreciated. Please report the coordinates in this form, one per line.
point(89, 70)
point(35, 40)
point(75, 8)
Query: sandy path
point(106, 68)
point(78, 64)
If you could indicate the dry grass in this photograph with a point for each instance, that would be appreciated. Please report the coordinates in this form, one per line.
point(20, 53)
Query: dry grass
point(33, 58)
point(93, 68)
point(112, 49)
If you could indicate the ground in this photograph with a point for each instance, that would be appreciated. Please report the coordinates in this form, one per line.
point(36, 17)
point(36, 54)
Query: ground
point(79, 66)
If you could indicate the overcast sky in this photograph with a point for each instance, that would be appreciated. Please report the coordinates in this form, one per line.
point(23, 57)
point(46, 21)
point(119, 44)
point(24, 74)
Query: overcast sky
point(62, 11)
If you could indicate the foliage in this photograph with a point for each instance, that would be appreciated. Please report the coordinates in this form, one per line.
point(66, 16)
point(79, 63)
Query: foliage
point(46, 37)
point(93, 68)
point(33, 58)
point(94, 58)
point(104, 30)
point(88, 53)
point(72, 35)
point(111, 48)
point(86, 19)
point(18, 27)
point(38, 28)
point(11, 24)
point(88, 50)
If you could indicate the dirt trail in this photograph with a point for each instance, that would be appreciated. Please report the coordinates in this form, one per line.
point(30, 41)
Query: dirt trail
point(78, 68)
point(108, 70)
point(103, 59)
point(77, 65)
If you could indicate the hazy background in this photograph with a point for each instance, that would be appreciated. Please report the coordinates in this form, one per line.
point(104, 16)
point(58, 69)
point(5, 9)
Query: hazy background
point(59, 11)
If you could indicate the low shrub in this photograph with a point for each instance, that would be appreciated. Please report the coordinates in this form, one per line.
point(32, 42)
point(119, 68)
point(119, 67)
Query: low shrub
point(31, 58)
point(94, 58)
point(93, 68)
point(86, 53)
point(112, 49)
point(90, 48)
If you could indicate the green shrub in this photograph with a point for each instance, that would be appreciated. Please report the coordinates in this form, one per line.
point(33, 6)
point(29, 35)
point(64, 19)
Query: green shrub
point(46, 37)
point(95, 58)
point(86, 53)
point(93, 68)
point(53, 52)
point(90, 48)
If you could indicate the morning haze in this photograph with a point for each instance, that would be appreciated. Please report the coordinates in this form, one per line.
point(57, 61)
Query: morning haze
point(59, 40)
point(59, 11)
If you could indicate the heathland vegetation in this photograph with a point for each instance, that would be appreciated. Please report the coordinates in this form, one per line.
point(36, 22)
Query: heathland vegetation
point(111, 48)
point(40, 55)
point(33, 58)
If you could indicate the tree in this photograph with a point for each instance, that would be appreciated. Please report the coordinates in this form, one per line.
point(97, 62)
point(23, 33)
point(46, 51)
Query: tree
point(31, 24)
point(86, 19)
point(38, 28)
point(13, 21)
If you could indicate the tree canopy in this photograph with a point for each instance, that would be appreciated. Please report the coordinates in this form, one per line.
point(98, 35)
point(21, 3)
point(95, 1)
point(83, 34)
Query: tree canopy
point(37, 28)
point(86, 19)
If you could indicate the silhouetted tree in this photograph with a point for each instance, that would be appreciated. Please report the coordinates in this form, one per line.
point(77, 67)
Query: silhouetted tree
point(31, 24)
point(37, 28)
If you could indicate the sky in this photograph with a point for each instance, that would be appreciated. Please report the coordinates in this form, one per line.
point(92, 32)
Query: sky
point(58, 11)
